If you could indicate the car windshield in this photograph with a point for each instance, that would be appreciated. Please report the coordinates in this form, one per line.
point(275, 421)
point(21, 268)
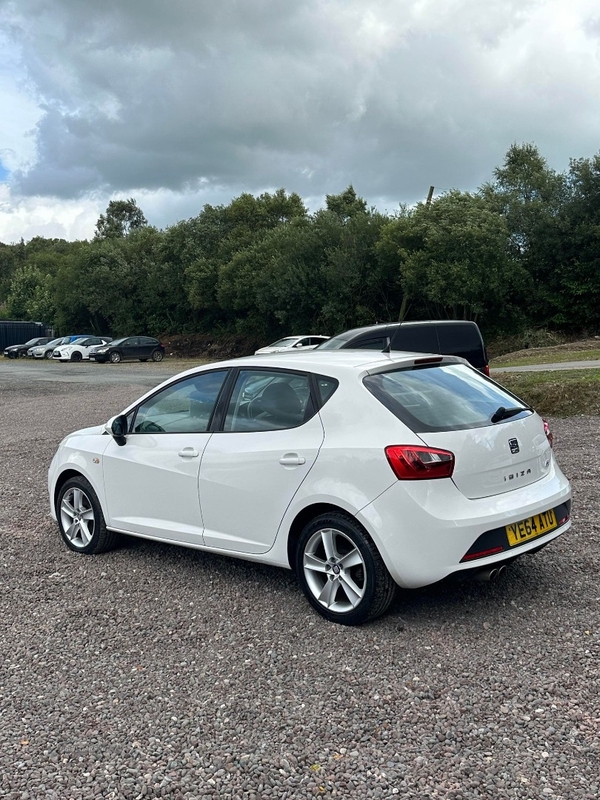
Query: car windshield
point(54, 342)
point(448, 397)
point(336, 342)
point(119, 341)
point(31, 342)
point(80, 341)
point(288, 341)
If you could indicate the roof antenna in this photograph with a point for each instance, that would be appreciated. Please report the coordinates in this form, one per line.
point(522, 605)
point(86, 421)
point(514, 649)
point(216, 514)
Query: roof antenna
point(387, 349)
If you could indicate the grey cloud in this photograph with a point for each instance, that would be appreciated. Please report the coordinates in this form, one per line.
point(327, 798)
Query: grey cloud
point(388, 95)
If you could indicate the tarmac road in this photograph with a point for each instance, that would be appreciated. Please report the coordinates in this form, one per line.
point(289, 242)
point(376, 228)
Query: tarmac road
point(148, 375)
point(549, 367)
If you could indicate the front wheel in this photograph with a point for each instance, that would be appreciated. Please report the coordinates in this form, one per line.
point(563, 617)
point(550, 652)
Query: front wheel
point(115, 358)
point(157, 355)
point(341, 572)
point(76, 356)
point(81, 520)
point(48, 354)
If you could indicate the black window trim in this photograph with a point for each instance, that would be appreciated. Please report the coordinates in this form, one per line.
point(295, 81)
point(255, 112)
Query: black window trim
point(217, 420)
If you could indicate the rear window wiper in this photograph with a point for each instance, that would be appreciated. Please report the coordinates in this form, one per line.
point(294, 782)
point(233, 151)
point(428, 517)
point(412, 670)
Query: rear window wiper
point(504, 413)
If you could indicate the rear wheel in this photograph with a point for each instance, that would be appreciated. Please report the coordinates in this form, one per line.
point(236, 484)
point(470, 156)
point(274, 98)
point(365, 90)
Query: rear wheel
point(81, 520)
point(157, 355)
point(341, 571)
point(115, 357)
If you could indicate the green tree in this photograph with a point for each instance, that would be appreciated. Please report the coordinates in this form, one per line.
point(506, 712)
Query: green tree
point(574, 285)
point(122, 217)
point(31, 295)
point(454, 259)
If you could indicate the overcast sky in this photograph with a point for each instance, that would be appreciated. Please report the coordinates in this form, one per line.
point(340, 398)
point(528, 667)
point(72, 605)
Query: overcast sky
point(179, 103)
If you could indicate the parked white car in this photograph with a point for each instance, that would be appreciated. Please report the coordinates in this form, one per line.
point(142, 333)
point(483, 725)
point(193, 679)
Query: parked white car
point(79, 350)
point(360, 471)
point(294, 343)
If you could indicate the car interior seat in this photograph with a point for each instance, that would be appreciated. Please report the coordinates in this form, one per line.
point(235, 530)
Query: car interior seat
point(281, 406)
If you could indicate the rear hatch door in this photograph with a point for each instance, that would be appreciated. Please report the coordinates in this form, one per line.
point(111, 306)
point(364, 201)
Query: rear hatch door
point(498, 442)
point(497, 458)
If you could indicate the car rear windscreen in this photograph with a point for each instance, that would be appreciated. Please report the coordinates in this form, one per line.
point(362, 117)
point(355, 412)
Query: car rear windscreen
point(446, 397)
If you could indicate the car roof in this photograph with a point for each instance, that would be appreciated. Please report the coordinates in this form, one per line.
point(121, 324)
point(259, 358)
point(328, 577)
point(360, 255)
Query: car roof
point(331, 361)
point(406, 324)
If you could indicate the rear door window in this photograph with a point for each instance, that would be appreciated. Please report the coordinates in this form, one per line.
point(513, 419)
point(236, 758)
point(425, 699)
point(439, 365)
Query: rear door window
point(268, 400)
point(448, 397)
point(462, 340)
point(416, 339)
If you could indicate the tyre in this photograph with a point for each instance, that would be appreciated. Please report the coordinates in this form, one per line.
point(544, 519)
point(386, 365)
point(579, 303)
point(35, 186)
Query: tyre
point(48, 354)
point(341, 572)
point(81, 520)
point(76, 356)
point(157, 355)
point(115, 357)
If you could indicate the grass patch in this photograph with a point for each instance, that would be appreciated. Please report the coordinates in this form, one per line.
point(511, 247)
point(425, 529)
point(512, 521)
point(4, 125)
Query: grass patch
point(567, 393)
point(582, 349)
point(545, 357)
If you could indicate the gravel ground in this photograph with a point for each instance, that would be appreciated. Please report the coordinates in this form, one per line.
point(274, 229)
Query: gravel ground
point(155, 671)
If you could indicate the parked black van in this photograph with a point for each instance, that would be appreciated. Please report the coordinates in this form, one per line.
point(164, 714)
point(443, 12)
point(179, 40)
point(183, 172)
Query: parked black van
point(448, 337)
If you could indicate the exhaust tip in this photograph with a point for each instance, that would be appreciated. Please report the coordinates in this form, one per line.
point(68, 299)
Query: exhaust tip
point(486, 575)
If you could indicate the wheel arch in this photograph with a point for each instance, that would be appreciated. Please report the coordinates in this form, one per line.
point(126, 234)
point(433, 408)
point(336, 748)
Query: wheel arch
point(66, 475)
point(302, 519)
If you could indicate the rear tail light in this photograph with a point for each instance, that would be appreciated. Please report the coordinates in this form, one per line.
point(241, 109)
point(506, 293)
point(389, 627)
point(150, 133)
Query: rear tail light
point(413, 463)
point(486, 370)
point(548, 433)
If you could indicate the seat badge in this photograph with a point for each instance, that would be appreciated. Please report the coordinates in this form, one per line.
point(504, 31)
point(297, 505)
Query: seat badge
point(514, 446)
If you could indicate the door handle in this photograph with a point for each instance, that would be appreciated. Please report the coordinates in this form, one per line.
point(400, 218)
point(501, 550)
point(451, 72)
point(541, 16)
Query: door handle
point(188, 452)
point(292, 460)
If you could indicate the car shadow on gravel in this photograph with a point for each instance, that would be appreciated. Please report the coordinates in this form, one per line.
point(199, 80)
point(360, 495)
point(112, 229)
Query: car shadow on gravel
point(526, 583)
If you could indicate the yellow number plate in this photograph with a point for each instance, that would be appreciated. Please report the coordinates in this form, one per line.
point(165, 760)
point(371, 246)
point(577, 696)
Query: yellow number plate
point(527, 529)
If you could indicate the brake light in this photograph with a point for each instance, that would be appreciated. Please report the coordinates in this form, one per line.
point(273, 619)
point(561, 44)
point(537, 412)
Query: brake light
point(434, 360)
point(486, 370)
point(414, 463)
point(548, 433)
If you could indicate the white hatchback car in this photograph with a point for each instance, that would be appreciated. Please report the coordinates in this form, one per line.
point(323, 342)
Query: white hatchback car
point(79, 350)
point(294, 343)
point(359, 471)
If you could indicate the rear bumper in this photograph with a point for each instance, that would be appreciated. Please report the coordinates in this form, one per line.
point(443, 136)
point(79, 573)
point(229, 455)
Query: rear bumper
point(423, 532)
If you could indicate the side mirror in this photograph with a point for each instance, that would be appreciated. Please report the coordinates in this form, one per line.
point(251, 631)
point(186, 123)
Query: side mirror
point(118, 429)
point(298, 344)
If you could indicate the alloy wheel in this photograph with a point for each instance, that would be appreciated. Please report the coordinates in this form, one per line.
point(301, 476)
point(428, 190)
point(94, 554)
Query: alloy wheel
point(334, 570)
point(77, 517)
